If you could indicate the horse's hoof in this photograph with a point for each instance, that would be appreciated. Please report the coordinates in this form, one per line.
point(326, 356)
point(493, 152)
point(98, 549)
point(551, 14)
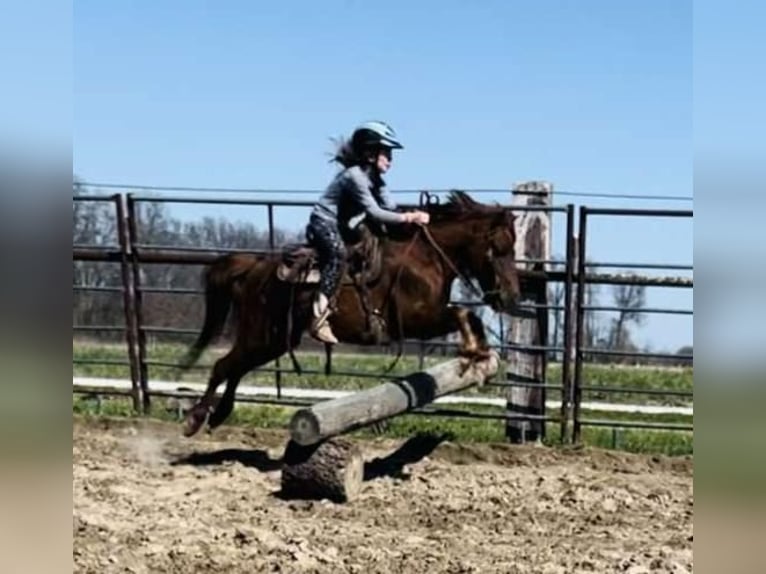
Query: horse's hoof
point(221, 412)
point(194, 421)
point(472, 357)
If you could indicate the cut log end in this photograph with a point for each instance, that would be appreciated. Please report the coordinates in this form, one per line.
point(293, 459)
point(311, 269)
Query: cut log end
point(333, 469)
point(304, 427)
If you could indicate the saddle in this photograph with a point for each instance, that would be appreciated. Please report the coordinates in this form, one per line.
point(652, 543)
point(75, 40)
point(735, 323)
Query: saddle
point(363, 265)
point(298, 265)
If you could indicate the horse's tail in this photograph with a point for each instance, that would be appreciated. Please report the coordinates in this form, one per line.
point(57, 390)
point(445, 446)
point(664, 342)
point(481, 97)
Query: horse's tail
point(220, 281)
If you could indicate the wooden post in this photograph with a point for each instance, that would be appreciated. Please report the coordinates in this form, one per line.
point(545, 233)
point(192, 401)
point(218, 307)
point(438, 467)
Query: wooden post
point(529, 327)
point(333, 417)
point(332, 469)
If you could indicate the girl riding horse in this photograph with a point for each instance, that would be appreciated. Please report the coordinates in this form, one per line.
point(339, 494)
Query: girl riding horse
point(358, 191)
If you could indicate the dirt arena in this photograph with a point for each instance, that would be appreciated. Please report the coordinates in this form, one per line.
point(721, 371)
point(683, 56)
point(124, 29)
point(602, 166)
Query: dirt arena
point(148, 500)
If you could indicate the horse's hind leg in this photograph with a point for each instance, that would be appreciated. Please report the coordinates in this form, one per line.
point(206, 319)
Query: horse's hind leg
point(223, 369)
point(255, 358)
point(225, 406)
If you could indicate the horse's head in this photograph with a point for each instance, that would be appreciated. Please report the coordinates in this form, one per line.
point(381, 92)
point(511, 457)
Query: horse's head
point(483, 243)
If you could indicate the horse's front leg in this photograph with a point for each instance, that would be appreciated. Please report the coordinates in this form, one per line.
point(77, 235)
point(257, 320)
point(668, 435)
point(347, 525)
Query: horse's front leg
point(474, 339)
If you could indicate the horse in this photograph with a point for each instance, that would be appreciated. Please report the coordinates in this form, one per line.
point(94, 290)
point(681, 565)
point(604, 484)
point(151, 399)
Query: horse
point(407, 297)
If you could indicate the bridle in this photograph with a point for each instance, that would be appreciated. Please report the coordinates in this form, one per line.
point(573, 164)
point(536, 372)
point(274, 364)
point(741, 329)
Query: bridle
point(427, 199)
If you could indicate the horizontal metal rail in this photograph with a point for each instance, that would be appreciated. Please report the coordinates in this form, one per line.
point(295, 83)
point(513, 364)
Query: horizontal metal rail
point(636, 391)
point(171, 290)
point(105, 254)
point(612, 353)
point(626, 212)
point(641, 310)
point(297, 203)
point(619, 279)
point(636, 425)
point(223, 201)
point(193, 189)
point(522, 384)
point(102, 391)
point(101, 288)
point(152, 247)
point(108, 246)
point(98, 198)
point(116, 362)
point(179, 257)
point(169, 330)
point(114, 328)
point(609, 265)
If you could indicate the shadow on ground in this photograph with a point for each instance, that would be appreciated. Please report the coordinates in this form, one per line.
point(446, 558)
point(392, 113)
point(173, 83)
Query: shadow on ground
point(258, 459)
point(413, 450)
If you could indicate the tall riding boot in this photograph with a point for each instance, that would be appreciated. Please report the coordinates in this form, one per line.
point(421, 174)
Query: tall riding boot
point(320, 327)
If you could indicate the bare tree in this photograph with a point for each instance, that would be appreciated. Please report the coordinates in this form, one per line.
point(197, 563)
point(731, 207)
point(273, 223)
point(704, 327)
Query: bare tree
point(94, 223)
point(631, 299)
point(556, 299)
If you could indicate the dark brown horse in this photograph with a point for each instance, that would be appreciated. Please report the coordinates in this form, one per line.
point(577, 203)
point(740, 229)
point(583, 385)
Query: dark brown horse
point(408, 298)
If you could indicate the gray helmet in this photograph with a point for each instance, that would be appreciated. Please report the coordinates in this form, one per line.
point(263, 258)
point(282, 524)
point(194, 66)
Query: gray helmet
point(375, 134)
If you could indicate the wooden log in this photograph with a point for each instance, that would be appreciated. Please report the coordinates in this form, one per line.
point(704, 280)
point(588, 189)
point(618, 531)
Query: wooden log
point(333, 469)
point(526, 404)
point(333, 417)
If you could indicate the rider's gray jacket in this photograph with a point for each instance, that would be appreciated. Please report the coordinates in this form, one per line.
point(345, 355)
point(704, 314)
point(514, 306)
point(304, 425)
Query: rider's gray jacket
point(353, 195)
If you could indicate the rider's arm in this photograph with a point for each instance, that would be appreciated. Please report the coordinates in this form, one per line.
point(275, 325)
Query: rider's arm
point(359, 186)
point(386, 201)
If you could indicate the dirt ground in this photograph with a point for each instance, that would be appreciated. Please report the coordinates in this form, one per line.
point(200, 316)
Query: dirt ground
point(148, 500)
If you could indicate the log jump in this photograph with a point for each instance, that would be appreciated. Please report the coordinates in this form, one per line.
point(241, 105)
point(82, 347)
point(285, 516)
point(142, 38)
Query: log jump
point(337, 416)
point(320, 464)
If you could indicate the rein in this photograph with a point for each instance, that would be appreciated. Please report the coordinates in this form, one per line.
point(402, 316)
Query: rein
point(449, 262)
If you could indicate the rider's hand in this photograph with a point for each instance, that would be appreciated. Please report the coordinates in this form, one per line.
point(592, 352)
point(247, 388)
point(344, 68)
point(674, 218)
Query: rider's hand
point(419, 217)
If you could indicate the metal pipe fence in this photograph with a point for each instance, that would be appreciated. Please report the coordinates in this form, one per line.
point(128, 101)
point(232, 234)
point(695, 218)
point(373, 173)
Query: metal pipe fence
point(574, 273)
point(583, 351)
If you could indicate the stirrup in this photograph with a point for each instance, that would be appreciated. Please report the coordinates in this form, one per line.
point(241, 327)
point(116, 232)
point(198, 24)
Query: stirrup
point(320, 328)
point(323, 332)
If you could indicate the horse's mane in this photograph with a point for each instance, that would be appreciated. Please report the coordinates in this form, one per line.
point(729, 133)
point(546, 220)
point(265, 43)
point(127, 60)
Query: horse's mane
point(459, 207)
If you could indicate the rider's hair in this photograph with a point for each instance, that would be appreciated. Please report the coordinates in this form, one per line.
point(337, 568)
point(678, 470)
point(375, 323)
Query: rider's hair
point(347, 155)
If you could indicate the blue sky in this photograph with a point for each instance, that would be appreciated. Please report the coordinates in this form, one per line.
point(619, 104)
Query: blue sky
point(594, 96)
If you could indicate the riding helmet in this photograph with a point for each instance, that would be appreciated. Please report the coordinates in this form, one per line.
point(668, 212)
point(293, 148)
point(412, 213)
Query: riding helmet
point(375, 134)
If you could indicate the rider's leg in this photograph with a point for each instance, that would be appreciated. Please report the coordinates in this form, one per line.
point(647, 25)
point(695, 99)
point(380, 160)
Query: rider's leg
point(332, 252)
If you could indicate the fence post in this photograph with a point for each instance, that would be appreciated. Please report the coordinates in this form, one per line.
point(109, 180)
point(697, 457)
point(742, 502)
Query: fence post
point(272, 248)
point(128, 301)
point(132, 241)
point(526, 404)
point(580, 325)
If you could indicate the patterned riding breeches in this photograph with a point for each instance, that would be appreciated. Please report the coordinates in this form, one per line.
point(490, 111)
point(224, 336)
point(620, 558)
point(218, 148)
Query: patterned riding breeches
point(325, 237)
